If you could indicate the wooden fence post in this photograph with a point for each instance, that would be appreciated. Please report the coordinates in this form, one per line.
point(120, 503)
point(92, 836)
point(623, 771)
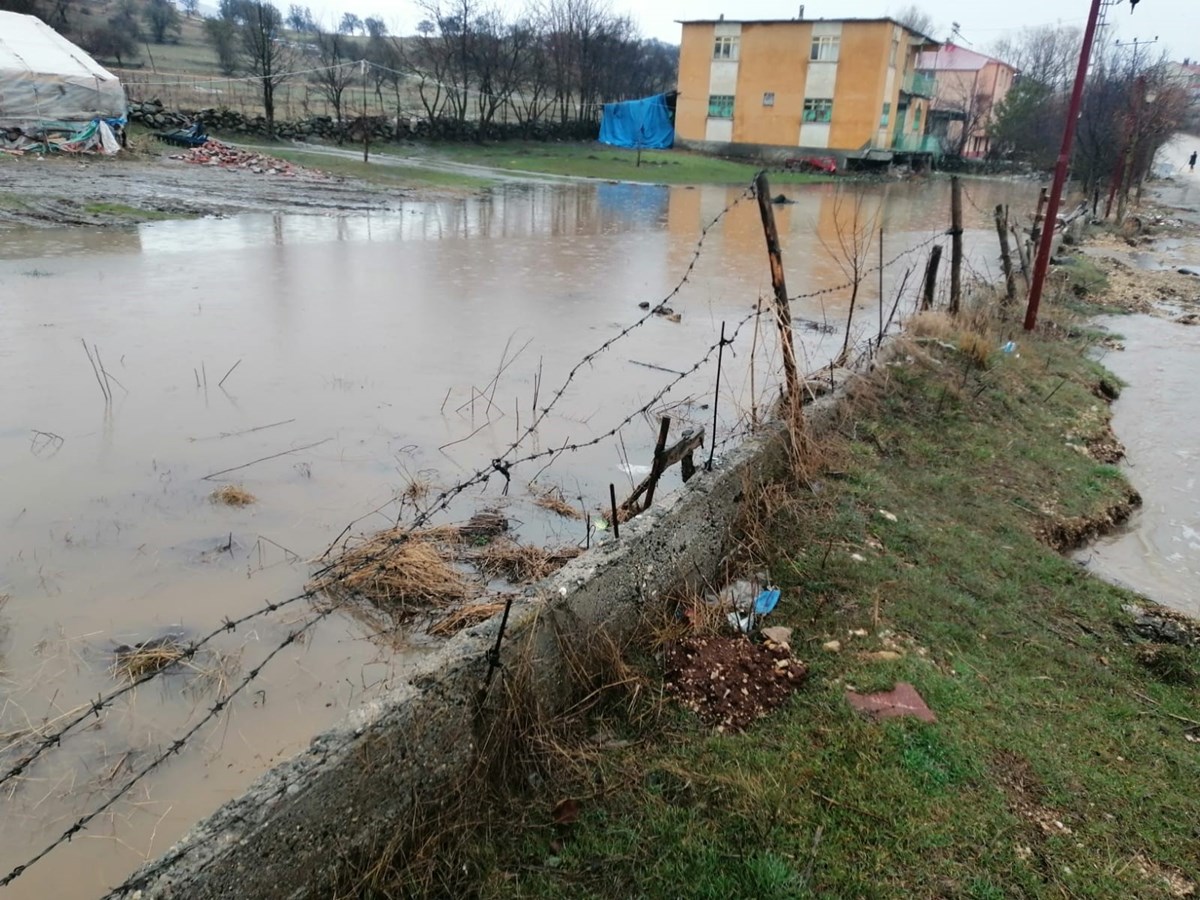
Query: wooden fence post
point(931, 271)
point(1035, 235)
point(956, 245)
point(783, 314)
point(1010, 279)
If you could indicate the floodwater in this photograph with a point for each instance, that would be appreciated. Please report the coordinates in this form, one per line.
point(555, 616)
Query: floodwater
point(1157, 553)
point(325, 361)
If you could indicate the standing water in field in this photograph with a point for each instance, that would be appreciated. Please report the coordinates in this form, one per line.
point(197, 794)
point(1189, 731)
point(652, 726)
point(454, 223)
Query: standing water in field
point(334, 373)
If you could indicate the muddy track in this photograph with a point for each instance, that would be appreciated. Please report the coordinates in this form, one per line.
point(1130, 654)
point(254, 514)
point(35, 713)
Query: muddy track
point(57, 191)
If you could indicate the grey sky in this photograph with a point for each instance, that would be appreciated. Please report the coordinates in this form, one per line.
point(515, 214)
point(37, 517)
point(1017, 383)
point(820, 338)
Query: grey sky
point(1175, 22)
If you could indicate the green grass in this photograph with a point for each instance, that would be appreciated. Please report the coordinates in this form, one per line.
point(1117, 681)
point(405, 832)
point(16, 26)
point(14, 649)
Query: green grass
point(121, 210)
point(378, 173)
point(594, 160)
point(1054, 769)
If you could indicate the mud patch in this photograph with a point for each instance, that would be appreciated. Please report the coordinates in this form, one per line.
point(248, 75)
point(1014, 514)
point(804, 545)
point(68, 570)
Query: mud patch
point(1025, 793)
point(729, 682)
point(1161, 876)
point(1069, 533)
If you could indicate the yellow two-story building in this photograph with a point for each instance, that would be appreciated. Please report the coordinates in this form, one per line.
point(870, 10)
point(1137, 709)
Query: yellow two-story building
point(847, 88)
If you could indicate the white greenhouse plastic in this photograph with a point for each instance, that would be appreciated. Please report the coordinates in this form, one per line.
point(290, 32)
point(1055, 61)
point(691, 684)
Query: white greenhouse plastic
point(45, 79)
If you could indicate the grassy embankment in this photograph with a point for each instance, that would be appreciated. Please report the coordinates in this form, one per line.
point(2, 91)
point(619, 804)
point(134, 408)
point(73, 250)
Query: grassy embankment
point(1064, 759)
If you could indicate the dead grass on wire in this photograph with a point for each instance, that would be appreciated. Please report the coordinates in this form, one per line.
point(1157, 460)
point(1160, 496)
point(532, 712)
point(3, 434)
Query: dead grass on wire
point(400, 571)
point(233, 495)
point(521, 563)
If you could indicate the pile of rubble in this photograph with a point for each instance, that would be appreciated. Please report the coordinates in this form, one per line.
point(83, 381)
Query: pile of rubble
point(214, 153)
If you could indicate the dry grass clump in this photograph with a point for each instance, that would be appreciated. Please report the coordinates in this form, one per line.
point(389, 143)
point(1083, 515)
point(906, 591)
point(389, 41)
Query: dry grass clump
point(134, 662)
point(401, 571)
point(552, 499)
point(522, 563)
point(233, 495)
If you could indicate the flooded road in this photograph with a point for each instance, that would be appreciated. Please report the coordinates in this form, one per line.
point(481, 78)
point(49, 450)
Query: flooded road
point(323, 361)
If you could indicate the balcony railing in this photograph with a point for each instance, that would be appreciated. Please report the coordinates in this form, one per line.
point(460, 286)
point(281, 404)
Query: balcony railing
point(917, 143)
point(919, 84)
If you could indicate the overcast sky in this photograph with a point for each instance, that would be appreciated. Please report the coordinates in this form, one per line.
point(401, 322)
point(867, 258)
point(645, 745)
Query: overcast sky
point(1175, 22)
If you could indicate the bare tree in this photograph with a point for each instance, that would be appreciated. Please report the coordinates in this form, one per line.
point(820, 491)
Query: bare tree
point(263, 53)
point(335, 74)
point(914, 18)
point(191, 8)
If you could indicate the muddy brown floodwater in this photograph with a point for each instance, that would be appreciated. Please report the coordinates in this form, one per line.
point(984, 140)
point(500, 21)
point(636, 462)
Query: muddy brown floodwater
point(1158, 552)
point(358, 342)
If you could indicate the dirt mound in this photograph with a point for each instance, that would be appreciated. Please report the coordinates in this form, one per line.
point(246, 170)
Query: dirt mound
point(730, 681)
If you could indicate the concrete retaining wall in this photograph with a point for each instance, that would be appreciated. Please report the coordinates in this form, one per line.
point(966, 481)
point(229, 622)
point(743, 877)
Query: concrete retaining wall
point(356, 783)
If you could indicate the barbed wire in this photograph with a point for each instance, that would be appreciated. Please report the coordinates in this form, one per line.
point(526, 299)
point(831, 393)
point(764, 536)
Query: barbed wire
point(502, 463)
point(228, 625)
point(500, 466)
point(872, 269)
point(175, 746)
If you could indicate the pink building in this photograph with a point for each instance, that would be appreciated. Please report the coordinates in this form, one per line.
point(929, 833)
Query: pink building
point(967, 88)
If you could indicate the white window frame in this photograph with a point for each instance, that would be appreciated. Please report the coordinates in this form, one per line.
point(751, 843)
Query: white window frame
point(725, 47)
point(814, 106)
point(825, 48)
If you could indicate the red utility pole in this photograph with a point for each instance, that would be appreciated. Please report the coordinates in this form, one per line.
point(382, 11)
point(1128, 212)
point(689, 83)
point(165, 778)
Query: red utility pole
point(1060, 171)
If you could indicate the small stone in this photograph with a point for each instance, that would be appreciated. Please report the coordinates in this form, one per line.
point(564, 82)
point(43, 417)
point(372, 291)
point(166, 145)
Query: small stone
point(891, 517)
point(778, 634)
point(858, 557)
point(883, 656)
point(832, 646)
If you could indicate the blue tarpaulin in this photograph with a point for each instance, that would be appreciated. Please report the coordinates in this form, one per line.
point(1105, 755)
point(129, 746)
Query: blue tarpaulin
point(644, 124)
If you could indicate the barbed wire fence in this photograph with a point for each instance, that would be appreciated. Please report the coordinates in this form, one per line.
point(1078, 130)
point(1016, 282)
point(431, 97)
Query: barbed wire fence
point(501, 466)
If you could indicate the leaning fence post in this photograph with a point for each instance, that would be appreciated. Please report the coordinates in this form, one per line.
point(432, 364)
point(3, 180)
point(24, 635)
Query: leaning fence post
point(783, 315)
point(1010, 280)
point(935, 258)
point(956, 246)
point(1035, 235)
point(656, 465)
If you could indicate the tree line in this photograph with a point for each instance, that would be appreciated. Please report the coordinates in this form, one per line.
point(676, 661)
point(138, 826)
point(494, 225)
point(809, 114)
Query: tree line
point(468, 63)
point(1132, 105)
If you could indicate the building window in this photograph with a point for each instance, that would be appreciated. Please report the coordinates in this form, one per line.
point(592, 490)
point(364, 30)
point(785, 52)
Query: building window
point(887, 114)
point(720, 106)
point(768, 98)
point(825, 48)
point(917, 118)
point(725, 48)
point(818, 110)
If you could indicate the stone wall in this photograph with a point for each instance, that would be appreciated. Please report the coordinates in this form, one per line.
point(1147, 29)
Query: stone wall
point(231, 123)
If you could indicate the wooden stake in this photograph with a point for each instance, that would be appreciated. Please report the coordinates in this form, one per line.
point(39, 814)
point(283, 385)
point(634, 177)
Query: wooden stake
point(612, 499)
point(783, 314)
point(931, 271)
point(880, 287)
point(1010, 279)
point(1035, 236)
point(956, 244)
point(717, 396)
point(656, 465)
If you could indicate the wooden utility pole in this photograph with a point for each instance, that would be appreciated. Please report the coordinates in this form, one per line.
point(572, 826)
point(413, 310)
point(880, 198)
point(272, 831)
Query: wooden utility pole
point(956, 245)
point(783, 313)
point(1042, 260)
point(935, 258)
point(1010, 279)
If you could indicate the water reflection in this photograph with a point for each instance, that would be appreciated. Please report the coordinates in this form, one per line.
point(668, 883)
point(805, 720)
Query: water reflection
point(373, 334)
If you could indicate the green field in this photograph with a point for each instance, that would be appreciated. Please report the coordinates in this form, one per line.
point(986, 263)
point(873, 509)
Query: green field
point(595, 160)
